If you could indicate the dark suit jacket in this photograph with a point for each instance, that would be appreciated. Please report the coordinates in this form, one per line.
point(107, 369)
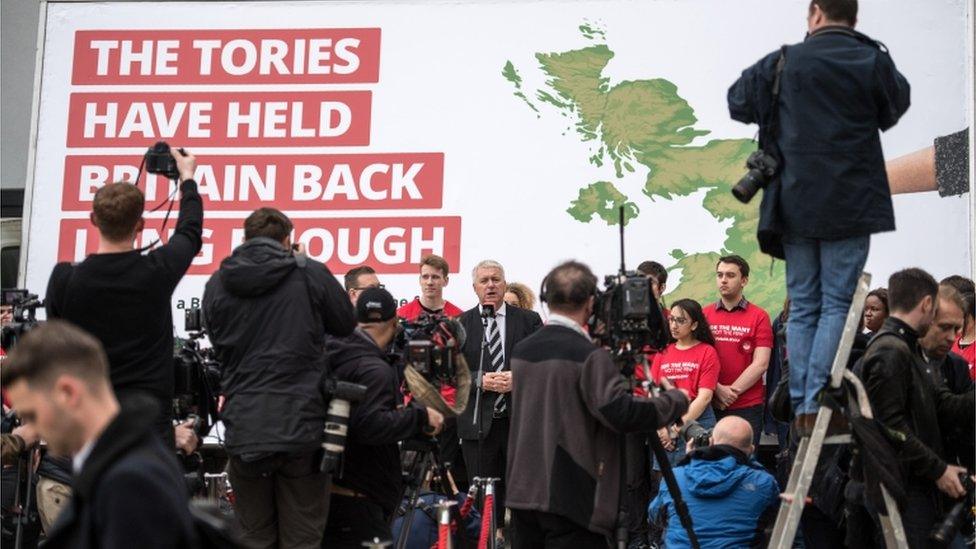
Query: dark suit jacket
point(130, 492)
point(519, 324)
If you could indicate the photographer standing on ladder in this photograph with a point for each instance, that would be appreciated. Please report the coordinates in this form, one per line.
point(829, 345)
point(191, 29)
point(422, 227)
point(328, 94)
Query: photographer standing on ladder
point(570, 405)
point(122, 296)
point(819, 105)
point(911, 405)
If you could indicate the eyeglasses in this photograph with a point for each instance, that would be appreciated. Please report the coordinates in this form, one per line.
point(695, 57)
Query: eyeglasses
point(361, 288)
point(679, 320)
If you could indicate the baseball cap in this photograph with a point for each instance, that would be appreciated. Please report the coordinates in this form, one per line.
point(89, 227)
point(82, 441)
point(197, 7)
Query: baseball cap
point(375, 305)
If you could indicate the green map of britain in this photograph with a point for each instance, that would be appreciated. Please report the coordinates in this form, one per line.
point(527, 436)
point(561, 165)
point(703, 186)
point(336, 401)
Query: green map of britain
point(648, 123)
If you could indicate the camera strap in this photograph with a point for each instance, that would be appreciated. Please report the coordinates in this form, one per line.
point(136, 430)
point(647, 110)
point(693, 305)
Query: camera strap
point(773, 129)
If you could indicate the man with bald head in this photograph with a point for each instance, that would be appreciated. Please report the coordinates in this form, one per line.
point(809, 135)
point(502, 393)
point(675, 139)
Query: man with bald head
point(729, 495)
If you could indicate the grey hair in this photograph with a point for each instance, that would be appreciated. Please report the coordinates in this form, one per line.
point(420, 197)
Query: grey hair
point(486, 264)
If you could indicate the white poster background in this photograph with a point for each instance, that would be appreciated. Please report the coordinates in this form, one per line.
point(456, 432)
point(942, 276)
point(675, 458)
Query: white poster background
point(509, 174)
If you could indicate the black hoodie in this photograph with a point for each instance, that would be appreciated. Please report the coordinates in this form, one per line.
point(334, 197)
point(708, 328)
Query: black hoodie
point(267, 313)
point(371, 462)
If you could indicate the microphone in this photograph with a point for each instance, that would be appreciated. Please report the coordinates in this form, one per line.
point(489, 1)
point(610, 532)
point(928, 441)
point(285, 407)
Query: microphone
point(487, 311)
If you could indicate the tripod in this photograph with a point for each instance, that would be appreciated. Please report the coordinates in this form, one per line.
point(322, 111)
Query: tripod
point(425, 464)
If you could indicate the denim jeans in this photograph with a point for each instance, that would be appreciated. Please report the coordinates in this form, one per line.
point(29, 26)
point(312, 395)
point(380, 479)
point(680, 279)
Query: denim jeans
point(821, 276)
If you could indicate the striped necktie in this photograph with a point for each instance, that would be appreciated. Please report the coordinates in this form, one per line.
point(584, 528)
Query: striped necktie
point(497, 358)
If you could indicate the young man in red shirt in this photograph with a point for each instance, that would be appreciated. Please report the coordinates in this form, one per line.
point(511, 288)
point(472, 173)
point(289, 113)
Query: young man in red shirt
point(744, 343)
point(433, 279)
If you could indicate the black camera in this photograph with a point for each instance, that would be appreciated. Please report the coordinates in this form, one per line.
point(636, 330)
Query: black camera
point(762, 168)
point(24, 307)
point(945, 532)
point(627, 319)
point(196, 376)
point(342, 395)
point(160, 161)
point(429, 345)
point(693, 432)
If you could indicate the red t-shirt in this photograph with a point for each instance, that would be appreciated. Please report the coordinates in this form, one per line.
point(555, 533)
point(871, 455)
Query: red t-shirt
point(689, 369)
point(411, 312)
point(649, 353)
point(968, 353)
point(737, 335)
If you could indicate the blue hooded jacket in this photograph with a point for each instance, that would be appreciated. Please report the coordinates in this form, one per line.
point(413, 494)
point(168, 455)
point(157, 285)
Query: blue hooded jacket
point(726, 495)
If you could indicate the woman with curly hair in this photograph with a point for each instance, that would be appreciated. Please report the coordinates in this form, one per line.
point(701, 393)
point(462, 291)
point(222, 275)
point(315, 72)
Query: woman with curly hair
point(519, 295)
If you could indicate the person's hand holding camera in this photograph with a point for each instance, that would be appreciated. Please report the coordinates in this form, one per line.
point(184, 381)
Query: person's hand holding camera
point(186, 439)
point(186, 163)
point(949, 482)
point(435, 422)
point(664, 434)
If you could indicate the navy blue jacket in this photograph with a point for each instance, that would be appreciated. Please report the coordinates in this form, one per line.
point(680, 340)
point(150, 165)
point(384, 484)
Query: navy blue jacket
point(130, 491)
point(838, 88)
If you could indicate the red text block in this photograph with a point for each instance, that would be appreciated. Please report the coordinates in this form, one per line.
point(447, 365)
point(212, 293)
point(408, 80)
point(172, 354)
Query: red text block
point(208, 56)
point(220, 119)
point(290, 182)
point(391, 245)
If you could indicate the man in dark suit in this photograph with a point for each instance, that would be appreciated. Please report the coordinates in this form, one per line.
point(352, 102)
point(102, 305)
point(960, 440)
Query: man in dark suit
point(128, 489)
point(490, 340)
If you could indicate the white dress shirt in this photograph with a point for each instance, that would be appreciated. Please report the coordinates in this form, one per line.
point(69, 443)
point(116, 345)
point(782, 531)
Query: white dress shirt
point(500, 320)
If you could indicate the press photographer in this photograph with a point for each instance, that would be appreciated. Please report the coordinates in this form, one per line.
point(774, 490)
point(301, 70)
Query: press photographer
point(570, 404)
point(729, 494)
point(819, 105)
point(368, 487)
point(122, 295)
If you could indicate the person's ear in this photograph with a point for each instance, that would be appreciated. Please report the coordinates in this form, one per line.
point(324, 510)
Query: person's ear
point(140, 225)
point(694, 326)
point(93, 219)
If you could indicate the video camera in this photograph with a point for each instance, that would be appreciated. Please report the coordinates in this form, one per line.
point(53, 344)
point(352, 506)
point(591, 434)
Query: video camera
point(430, 345)
point(626, 318)
point(24, 309)
point(197, 376)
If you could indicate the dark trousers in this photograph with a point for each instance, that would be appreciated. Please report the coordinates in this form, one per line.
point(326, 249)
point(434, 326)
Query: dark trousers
point(450, 453)
point(536, 529)
point(281, 500)
point(752, 414)
point(490, 462)
point(638, 484)
point(353, 520)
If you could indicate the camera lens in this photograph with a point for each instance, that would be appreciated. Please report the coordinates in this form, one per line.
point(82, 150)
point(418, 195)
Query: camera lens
point(747, 187)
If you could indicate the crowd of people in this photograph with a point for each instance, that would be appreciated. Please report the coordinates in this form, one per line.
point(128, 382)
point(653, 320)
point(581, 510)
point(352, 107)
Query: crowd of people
point(578, 441)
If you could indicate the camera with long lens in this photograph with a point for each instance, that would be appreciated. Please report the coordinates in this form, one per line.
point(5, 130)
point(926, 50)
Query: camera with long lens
point(24, 307)
point(342, 395)
point(693, 432)
point(160, 161)
point(762, 168)
point(945, 532)
point(196, 376)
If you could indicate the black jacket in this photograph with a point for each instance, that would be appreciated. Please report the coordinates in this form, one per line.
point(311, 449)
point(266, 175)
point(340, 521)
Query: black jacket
point(909, 403)
point(371, 462)
point(838, 88)
point(267, 316)
point(130, 492)
point(519, 324)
